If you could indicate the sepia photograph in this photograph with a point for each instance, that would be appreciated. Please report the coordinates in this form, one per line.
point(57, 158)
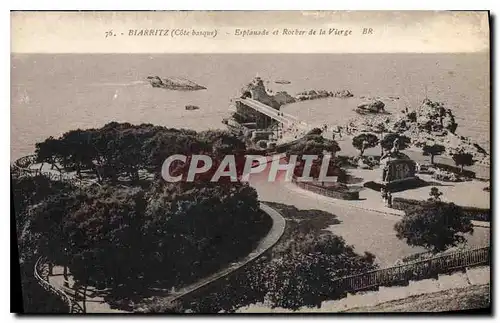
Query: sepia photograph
point(240, 162)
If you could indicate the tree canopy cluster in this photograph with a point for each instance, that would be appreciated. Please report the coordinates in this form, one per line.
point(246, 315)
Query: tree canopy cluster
point(132, 236)
point(463, 159)
point(388, 141)
point(313, 143)
point(123, 149)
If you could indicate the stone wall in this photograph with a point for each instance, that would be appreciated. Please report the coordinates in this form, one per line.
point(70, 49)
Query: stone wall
point(341, 195)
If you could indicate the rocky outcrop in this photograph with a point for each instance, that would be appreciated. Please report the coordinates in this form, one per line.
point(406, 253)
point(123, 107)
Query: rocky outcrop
point(343, 94)
point(257, 91)
point(372, 107)
point(283, 98)
point(431, 123)
point(320, 94)
point(282, 82)
point(435, 124)
point(174, 83)
point(434, 117)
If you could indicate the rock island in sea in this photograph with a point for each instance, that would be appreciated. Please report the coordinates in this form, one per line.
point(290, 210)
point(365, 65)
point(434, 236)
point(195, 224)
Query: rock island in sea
point(174, 83)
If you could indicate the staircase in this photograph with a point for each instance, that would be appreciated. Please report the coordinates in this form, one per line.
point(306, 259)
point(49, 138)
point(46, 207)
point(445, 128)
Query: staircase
point(460, 279)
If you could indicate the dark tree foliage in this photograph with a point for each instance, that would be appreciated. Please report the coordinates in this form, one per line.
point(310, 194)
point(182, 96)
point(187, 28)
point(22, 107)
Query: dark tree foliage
point(463, 159)
point(315, 131)
point(129, 238)
point(222, 142)
point(433, 150)
point(435, 194)
point(27, 192)
point(388, 141)
point(49, 151)
point(314, 144)
point(303, 274)
point(435, 226)
point(364, 141)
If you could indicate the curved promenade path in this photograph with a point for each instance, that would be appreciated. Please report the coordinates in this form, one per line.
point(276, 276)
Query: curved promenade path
point(96, 304)
point(272, 237)
point(94, 300)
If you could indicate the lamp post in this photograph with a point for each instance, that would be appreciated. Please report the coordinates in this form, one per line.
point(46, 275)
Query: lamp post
point(65, 269)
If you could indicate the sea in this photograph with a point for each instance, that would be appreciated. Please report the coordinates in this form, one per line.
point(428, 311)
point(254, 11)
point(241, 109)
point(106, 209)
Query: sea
point(55, 93)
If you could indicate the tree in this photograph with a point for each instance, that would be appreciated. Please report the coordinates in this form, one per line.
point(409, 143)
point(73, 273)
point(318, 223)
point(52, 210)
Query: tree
point(315, 131)
point(435, 226)
point(77, 150)
point(312, 144)
point(28, 194)
point(463, 159)
point(388, 141)
point(222, 142)
point(363, 141)
point(49, 151)
point(299, 275)
point(48, 219)
point(435, 195)
point(433, 150)
point(381, 128)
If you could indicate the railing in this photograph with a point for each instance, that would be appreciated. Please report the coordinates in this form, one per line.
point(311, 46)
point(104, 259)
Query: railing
point(22, 165)
point(24, 162)
point(414, 271)
point(41, 274)
point(267, 110)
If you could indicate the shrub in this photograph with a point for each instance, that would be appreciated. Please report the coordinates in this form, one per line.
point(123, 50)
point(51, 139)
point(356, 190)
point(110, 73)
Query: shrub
point(433, 151)
point(463, 159)
point(435, 226)
point(473, 213)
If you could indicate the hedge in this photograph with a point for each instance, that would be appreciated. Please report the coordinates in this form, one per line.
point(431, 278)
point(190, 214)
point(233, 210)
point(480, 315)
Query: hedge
point(474, 213)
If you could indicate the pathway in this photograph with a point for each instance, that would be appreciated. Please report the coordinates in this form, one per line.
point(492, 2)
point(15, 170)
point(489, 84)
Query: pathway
point(95, 302)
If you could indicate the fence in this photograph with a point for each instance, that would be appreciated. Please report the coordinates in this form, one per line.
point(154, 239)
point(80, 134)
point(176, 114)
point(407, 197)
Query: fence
point(22, 166)
point(330, 192)
point(414, 271)
point(41, 274)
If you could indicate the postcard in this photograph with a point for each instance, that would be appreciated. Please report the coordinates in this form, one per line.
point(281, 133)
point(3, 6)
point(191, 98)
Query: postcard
point(251, 161)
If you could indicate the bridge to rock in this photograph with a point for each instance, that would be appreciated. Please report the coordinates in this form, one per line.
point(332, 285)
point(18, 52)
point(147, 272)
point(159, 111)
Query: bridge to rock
point(282, 117)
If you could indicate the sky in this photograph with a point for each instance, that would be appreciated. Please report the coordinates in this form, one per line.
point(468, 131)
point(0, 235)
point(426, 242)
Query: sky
point(393, 32)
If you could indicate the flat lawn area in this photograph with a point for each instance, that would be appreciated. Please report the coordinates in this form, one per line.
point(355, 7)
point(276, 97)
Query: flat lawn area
point(472, 297)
